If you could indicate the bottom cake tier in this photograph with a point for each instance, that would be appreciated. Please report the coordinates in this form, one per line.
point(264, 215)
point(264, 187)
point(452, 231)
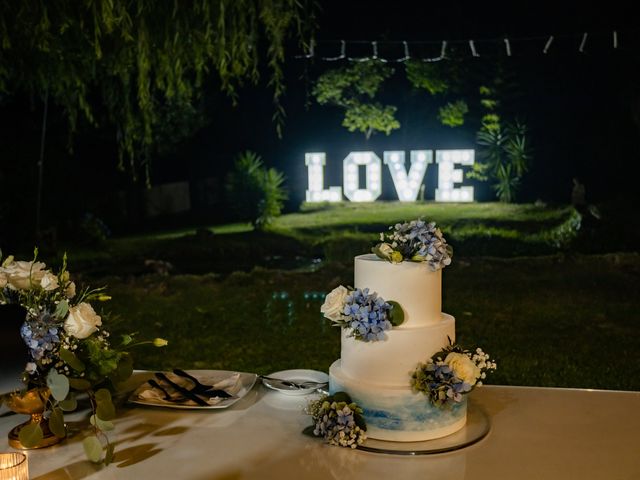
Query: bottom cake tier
point(397, 413)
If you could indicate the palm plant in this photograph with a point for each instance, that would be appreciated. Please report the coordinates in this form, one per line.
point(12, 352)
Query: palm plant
point(254, 192)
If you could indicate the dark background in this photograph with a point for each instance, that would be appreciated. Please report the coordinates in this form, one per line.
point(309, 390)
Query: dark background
point(579, 107)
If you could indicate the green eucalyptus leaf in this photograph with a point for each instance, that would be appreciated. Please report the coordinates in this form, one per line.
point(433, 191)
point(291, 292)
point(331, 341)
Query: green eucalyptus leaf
point(70, 359)
point(105, 408)
point(359, 421)
point(58, 384)
point(103, 425)
point(124, 370)
point(92, 448)
point(69, 404)
point(79, 384)
point(31, 435)
point(108, 457)
point(309, 431)
point(341, 397)
point(396, 316)
point(56, 423)
point(62, 309)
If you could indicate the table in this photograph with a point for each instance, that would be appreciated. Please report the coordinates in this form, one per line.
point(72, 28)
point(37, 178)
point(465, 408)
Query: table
point(535, 433)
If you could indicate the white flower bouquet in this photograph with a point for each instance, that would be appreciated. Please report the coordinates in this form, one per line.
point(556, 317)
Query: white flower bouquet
point(70, 351)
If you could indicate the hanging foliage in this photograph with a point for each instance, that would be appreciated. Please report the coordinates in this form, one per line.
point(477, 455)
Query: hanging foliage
point(144, 62)
point(353, 88)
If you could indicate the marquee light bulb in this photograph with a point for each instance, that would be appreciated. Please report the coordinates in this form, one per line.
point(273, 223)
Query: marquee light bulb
point(448, 175)
point(407, 190)
point(372, 165)
point(315, 169)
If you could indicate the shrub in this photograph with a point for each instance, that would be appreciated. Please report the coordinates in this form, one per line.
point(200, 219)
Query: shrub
point(255, 193)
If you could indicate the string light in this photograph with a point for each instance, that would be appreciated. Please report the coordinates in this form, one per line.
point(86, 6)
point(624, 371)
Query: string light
point(343, 53)
point(507, 46)
point(375, 55)
point(583, 42)
point(472, 46)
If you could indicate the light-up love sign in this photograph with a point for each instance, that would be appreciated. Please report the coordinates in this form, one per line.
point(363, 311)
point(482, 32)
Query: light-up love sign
point(406, 183)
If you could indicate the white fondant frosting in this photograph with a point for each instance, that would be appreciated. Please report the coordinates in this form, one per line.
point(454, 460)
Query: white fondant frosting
point(390, 362)
point(413, 285)
point(377, 374)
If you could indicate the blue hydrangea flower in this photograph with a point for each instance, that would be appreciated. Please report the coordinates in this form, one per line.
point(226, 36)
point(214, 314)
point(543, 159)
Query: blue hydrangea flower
point(420, 241)
point(367, 315)
point(40, 334)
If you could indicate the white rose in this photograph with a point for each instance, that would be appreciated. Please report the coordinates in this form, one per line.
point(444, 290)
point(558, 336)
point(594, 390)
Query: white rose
point(49, 281)
point(24, 275)
point(82, 321)
point(334, 303)
point(463, 367)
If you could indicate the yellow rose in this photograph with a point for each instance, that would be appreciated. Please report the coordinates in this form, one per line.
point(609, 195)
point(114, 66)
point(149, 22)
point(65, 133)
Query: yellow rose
point(463, 367)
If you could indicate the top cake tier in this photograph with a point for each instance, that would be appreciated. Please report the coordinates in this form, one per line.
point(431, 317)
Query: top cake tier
point(413, 285)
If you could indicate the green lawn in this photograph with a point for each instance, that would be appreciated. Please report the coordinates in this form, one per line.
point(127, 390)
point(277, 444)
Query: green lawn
point(550, 321)
point(247, 300)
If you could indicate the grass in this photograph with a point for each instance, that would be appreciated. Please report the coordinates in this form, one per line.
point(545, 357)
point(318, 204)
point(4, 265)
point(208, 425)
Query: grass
point(246, 300)
point(549, 321)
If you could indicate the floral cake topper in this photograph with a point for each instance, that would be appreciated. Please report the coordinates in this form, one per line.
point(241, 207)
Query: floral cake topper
point(415, 241)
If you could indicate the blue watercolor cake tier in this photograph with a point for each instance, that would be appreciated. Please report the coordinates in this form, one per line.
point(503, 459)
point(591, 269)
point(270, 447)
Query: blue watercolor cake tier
point(397, 413)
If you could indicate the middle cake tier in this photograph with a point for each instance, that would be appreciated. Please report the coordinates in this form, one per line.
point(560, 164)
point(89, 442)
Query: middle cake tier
point(390, 362)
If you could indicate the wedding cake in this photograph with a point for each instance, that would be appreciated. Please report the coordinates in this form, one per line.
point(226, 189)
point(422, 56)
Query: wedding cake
point(382, 364)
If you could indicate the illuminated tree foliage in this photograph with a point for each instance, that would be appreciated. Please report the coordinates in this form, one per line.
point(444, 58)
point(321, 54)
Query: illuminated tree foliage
point(142, 62)
point(353, 88)
point(441, 79)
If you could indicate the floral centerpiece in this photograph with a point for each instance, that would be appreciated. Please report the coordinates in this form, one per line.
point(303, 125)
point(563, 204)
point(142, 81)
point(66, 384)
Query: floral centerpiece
point(70, 353)
point(415, 241)
point(338, 420)
point(451, 373)
point(364, 313)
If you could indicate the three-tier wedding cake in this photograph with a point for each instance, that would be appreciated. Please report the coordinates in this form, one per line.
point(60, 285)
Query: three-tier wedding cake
point(379, 357)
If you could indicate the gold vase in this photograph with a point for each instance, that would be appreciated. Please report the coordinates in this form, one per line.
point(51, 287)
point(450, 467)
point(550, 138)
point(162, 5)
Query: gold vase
point(32, 402)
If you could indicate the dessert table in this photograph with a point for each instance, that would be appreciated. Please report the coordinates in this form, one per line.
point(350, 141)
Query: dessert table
point(535, 433)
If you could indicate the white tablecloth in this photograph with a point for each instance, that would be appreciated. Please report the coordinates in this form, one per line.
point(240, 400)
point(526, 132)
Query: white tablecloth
point(536, 433)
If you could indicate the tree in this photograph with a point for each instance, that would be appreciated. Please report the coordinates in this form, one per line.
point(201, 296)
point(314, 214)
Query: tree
point(353, 88)
point(142, 63)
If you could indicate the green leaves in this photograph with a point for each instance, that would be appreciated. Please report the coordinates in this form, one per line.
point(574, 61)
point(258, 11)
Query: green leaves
point(79, 384)
point(353, 88)
point(58, 384)
point(69, 404)
point(31, 435)
point(134, 61)
point(103, 425)
point(62, 309)
point(56, 423)
point(396, 316)
point(92, 448)
point(104, 406)
point(70, 359)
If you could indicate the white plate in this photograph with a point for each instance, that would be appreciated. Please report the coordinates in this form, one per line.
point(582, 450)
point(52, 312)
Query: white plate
point(208, 377)
point(296, 376)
